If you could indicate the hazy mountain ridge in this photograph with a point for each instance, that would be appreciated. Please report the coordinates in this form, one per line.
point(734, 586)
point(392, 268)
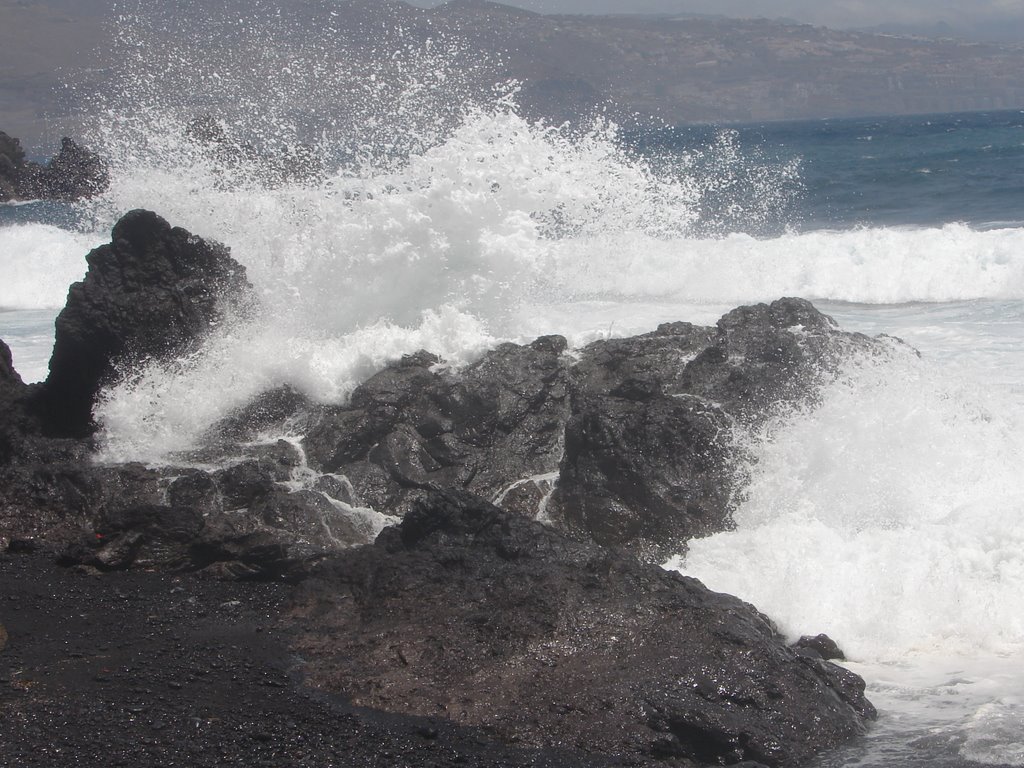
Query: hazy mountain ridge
point(684, 69)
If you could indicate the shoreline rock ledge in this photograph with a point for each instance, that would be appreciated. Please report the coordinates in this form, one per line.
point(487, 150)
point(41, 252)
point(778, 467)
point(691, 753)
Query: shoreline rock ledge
point(498, 622)
point(562, 634)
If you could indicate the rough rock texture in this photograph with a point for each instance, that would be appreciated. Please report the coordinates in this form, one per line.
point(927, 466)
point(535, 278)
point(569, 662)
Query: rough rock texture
point(648, 459)
point(409, 428)
point(15, 420)
point(150, 670)
point(821, 646)
point(244, 521)
point(468, 615)
point(73, 173)
point(631, 444)
point(12, 161)
point(628, 443)
point(491, 620)
point(148, 294)
point(768, 355)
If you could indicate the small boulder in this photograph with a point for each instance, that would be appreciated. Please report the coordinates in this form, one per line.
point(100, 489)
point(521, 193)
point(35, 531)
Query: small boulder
point(820, 646)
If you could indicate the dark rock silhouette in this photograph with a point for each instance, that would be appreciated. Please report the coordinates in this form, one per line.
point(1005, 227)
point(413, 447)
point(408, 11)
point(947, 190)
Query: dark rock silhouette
point(12, 163)
point(820, 646)
point(13, 393)
point(72, 174)
point(499, 622)
point(147, 295)
point(408, 428)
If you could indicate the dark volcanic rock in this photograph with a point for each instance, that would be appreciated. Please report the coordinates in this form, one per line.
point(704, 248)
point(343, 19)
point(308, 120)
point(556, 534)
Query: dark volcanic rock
point(147, 295)
point(409, 428)
point(630, 444)
point(150, 670)
point(649, 474)
point(768, 355)
point(649, 459)
point(15, 420)
point(12, 162)
point(491, 620)
point(821, 646)
point(141, 518)
point(73, 173)
point(636, 436)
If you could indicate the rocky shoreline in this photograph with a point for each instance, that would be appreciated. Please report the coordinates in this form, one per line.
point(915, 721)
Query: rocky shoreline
point(467, 629)
point(72, 174)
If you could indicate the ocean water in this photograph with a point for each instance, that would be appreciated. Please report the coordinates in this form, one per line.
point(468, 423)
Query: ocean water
point(889, 516)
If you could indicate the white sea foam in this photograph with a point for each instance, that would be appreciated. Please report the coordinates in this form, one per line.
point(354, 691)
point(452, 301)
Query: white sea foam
point(888, 516)
point(38, 262)
point(505, 229)
point(870, 266)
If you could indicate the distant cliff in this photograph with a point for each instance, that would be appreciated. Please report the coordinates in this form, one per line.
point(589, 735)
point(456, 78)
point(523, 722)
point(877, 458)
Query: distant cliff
point(679, 69)
point(709, 70)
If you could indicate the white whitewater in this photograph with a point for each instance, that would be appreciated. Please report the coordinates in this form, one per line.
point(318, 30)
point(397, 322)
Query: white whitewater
point(889, 517)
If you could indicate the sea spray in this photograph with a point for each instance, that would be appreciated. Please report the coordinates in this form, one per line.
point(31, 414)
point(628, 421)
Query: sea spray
point(38, 263)
point(888, 515)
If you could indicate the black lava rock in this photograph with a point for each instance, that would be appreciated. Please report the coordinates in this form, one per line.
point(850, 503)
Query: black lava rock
point(494, 621)
point(72, 174)
point(147, 295)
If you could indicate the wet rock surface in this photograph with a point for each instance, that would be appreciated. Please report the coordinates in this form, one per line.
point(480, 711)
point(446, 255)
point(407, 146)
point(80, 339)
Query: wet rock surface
point(410, 428)
point(478, 615)
point(627, 443)
point(15, 421)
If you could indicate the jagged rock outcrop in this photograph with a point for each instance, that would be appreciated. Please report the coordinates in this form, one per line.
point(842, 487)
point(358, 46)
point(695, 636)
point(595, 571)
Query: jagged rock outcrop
point(247, 520)
point(72, 174)
point(499, 622)
point(13, 413)
point(409, 428)
point(649, 460)
point(627, 442)
point(148, 294)
point(12, 161)
point(630, 444)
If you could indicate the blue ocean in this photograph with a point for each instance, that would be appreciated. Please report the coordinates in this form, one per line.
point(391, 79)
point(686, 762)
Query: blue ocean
point(888, 515)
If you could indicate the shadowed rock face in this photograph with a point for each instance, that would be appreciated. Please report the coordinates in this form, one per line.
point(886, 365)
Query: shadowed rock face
point(72, 174)
point(146, 296)
point(13, 415)
point(489, 619)
point(408, 428)
point(629, 444)
point(649, 459)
